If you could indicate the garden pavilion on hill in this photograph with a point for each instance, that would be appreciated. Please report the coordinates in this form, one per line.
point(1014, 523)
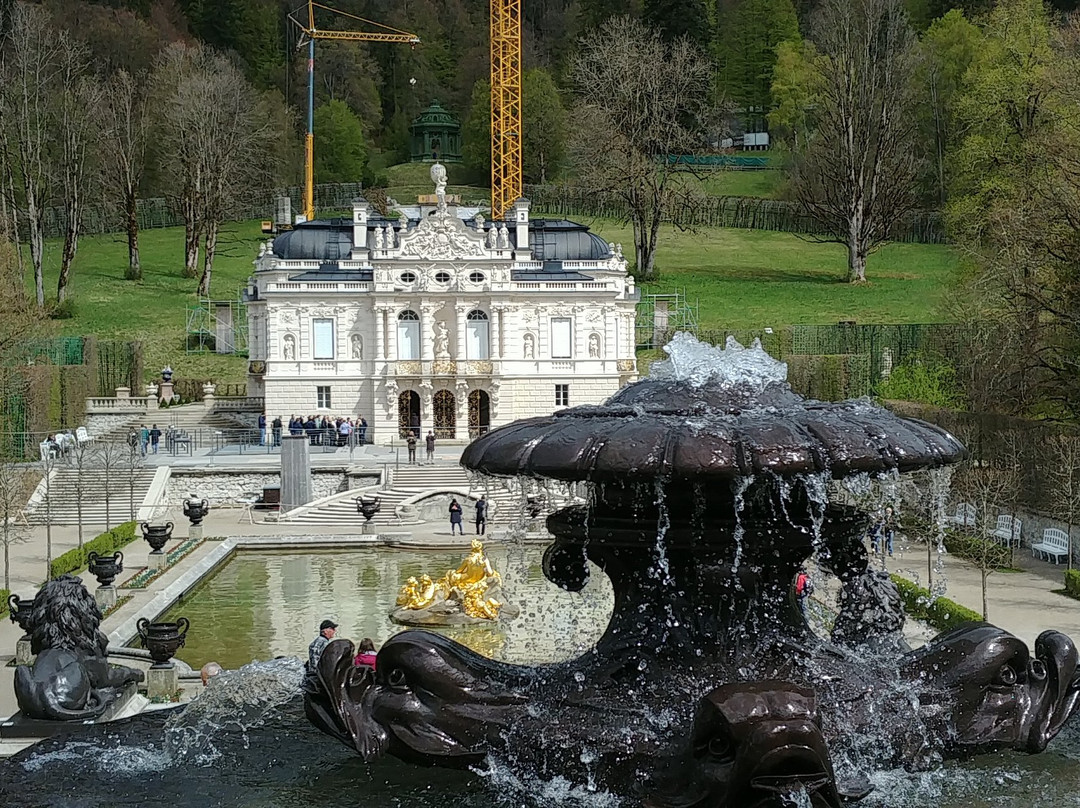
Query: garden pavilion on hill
point(435, 136)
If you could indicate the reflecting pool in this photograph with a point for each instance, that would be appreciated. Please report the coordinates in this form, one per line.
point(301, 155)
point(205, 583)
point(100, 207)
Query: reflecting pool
point(261, 605)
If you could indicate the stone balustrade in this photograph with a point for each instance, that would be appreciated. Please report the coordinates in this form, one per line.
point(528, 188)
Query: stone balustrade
point(133, 405)
point(240, 404)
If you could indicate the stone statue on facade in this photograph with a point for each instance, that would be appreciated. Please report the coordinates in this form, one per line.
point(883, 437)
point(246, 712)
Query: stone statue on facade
point(529, 346)
point(289, 349)
point(442, 341)
point(388, 237)
point(594, 346)
point(378, 236)
point(504, 238)
point(357, 346)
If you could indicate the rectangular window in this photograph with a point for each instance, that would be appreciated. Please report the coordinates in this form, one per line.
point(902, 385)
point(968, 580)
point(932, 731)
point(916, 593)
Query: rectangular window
point(322, 337)
point(323, 396)
point(562, 395)
point(561, 338)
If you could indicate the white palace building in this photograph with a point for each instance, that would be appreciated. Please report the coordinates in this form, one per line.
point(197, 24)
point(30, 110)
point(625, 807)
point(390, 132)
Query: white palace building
point(438, 319)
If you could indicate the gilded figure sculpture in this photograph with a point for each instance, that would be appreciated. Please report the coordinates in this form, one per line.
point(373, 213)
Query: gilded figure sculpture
point(461, 596)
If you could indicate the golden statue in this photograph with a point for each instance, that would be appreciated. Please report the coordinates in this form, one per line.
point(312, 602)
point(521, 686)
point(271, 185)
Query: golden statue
point(466, 590)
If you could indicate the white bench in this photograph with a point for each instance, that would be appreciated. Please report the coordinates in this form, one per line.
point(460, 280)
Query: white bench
point(964, 516)
point(1007, 531)
point(82, 436)
point(1054, 544)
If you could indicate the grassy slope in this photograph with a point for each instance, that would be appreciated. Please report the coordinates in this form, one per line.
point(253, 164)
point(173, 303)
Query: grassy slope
point(153, 310)
point(740, 279)
point(747, 278)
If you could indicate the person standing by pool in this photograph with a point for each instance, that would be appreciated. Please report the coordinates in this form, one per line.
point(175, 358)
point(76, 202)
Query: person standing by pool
point(455, 517)
point(481, 516)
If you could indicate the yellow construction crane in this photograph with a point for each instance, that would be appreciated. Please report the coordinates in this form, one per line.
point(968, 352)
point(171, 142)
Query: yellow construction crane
point(308, 34)
point(506, 116)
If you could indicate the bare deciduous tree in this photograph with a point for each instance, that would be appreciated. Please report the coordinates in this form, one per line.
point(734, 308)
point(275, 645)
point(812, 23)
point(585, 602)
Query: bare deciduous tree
point(215, 135)
point(1063, 466)
point(125, 128)
point(856, 173)
point(13, 496)
point(641, 100)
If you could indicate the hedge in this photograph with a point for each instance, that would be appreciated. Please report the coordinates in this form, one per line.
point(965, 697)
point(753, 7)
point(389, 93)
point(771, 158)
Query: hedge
point(941, 613)
point(4, 595)
point(74, 561)
point(1072, 583)
point(996, 556)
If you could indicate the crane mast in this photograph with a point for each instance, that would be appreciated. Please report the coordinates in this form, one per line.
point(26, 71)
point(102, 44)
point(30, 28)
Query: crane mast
point(308, 34)
point(506, 113)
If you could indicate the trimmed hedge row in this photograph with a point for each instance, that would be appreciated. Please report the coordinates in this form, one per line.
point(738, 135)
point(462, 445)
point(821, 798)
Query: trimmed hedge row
point(996, 556)
point(108, 542)
point(941, 613)
point(1072, 583)
point(4, 595)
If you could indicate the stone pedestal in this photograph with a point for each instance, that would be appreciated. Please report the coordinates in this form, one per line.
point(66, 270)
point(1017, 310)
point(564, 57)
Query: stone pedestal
point(162, 683)
point(23, 656)
point(156, 561)
point(295, 472)
point(195, 532)
point(165, 392)
point(105, 597)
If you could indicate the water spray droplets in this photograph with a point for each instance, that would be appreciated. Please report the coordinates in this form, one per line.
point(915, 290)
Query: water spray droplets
point(731, 366)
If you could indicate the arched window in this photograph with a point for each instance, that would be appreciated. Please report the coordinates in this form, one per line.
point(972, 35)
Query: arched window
point(477, 339)
point(408, 335)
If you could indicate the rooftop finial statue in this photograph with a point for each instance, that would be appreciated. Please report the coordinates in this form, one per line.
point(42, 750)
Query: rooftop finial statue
point(438, 176)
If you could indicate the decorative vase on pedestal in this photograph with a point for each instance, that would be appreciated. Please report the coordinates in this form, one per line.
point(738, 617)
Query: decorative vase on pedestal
point(162, 640)
point(157, 536)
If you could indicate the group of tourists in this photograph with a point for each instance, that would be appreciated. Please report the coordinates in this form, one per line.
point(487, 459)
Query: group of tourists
point(365, 651)
point(322, 430)
point(145, 439)
point(456, 516)
point(429, 445)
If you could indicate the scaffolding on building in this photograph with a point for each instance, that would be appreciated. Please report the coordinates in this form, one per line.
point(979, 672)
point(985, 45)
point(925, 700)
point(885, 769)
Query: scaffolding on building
point(659, 316)
point(217, 325)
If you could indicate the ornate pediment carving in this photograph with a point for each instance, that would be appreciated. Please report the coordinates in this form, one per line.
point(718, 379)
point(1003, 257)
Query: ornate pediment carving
point(442, 237)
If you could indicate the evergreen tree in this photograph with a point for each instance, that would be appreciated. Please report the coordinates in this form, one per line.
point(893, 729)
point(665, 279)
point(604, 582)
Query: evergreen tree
point(340, 152)
point(746, 52)
point(678, 18)
point(476, 135)
point(545, 127)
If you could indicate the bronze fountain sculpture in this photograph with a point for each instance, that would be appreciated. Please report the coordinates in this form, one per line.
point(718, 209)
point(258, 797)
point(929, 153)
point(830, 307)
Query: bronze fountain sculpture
point(707, 492)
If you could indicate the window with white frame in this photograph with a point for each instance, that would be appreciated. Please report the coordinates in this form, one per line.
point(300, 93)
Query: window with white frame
point(477, 339)
point(562, 395)
point(322, 338)
point(562, 338)
point(408, 335)
point(322, 396)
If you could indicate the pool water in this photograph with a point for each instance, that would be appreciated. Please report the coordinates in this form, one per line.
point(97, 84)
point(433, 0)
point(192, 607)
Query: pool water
point(261, 605)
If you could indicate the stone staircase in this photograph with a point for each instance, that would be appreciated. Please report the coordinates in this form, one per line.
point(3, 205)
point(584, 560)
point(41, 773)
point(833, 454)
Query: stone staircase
point(407, 483)
point(62, 506)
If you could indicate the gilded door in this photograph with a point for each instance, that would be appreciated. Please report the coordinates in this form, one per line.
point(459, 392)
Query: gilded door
point(408, 413)
point(479, 413)
point(445, 412)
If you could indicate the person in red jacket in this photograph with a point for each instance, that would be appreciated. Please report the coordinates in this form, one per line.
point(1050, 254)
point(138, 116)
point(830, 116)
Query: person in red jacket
point(366, 653)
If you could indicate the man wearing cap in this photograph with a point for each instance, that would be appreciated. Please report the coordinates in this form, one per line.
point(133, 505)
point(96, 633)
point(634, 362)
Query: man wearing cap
point(327, 629)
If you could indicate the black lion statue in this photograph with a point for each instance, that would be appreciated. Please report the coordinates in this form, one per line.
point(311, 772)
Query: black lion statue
point(71, 679)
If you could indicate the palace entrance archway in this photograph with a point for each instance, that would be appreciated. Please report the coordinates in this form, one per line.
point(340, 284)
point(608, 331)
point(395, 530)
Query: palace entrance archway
point(409, 413)
point(479, 413)
point(444, 408)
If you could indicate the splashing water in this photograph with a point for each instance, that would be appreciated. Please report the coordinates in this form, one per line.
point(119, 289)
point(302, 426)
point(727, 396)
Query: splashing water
point(233, 700)
point(731, 366)
point(529, 789)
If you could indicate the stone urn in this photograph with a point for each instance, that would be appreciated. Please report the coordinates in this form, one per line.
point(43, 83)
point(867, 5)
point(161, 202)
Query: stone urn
point(162, 640)
point(368, 507)
point(105, 568)
point(196, 509)
point(157, 536)
point(20, 610)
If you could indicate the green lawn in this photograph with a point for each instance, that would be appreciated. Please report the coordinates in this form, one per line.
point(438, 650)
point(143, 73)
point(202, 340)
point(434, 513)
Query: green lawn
point(153, 310)
point(766, 183)
point(751, 278)
point(740, 279)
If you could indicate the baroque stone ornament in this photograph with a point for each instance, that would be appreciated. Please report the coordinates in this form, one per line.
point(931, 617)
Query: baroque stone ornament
point(706, 492)
point(441, 237)
point(71, 678)
point(163, 639)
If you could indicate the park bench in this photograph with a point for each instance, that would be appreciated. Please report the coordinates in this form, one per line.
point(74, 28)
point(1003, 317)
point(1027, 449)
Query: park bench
point(82, 436)
point(1054, 544)
point(1007, 531)
point(964, 516)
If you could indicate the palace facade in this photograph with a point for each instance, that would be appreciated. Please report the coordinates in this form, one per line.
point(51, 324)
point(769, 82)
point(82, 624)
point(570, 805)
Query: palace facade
point(438, 319)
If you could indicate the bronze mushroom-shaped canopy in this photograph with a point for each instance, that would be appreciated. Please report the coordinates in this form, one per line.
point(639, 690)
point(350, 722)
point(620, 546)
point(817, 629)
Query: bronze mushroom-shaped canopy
point(711, 430)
